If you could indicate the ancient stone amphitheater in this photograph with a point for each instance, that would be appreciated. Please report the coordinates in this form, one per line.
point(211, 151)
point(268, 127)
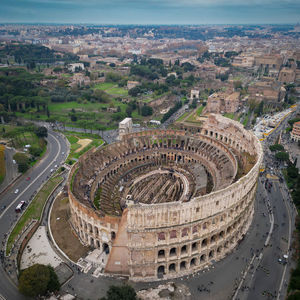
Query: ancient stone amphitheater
point(167, 202)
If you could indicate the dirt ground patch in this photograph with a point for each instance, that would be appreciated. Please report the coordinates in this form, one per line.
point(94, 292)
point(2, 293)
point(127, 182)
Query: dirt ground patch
point(62, 233)
point(83, 143)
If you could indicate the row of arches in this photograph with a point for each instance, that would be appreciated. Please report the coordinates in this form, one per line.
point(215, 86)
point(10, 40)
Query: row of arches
point(91, 230)
point(198, 260)
point(94, 243)
point(193, 247)
point(189, 232)
point(219, 136)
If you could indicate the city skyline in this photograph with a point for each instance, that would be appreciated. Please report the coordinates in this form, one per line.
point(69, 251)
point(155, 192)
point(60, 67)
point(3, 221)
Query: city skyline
point(196, 12)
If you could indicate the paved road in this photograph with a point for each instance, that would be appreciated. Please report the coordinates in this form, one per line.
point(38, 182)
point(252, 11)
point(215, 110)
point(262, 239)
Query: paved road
point(268, 274)
point(39, 174)
point(11, 168)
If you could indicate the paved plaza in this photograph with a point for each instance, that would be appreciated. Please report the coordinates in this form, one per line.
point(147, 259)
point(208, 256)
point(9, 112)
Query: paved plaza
point(39, 251)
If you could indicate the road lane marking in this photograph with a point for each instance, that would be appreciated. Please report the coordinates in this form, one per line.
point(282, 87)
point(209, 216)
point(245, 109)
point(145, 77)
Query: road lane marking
point(38, 177)
point(288, 248)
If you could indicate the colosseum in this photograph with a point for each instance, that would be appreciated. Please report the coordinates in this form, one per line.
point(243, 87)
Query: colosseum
point(166, 203)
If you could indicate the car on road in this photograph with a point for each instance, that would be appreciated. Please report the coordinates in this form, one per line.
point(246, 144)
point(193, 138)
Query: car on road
point(51, 170)
point(28, 178)
point(55, 166)
point(16, 191)
point(14, 161)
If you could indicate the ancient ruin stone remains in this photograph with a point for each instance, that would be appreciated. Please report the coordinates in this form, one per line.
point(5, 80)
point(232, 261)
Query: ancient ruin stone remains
point(167, 202)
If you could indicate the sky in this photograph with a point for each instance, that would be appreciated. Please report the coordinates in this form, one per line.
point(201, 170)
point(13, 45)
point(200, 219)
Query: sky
point(150, 11)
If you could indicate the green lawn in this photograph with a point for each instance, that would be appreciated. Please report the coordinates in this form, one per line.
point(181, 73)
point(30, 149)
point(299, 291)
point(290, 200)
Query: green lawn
point(73, 138)
point(229, 115)
point(117, 91)
point(6, 128)
point(18, 139)
point(34, 210)
point(246, 118)
point(65, 107)
point(66, 75)
point(104, 86)
point(182, 117)
point(199, 110)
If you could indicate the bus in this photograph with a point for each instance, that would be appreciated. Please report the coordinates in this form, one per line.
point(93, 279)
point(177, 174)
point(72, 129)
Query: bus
point(20, 206)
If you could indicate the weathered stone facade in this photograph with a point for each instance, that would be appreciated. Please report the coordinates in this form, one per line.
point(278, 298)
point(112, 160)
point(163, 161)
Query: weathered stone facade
point(147, 240)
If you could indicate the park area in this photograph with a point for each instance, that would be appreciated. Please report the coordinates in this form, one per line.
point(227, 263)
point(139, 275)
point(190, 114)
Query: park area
point(81, 143)
point(19, 136)
point(89, 115)
point(192, 117)
point(111, 89)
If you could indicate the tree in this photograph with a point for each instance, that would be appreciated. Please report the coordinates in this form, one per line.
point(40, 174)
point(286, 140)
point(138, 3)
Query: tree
point(73, 118)
point(38, 280)
point(146, 110)
point(259, 110)
point(22, 161)
point(134, 91)
point(118, 116)
point(194, 104)
point(125, 292)
point(292, 171)
point(276, 147)
point(112, 77)
point(283, 156)
point(128, 111)
point(41, 131)
point(48, 112)
point(35, 151)
point(238, 84)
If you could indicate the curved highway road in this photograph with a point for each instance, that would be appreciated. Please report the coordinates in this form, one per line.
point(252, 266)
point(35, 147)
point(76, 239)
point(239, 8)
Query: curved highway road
point(56, 154)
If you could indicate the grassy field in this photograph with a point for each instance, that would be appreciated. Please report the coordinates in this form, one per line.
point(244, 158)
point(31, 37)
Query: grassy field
point(229, 115)
point(19, 137)
point(74, 137)
point(104, 86)
point(245, 121)
point(183, 117)
point(193, 117)
point(111, 88)
point(199, 110)
point(93, 113)
point(33, 211)
point(66, 75)
point(2, 163)
point(117, 91)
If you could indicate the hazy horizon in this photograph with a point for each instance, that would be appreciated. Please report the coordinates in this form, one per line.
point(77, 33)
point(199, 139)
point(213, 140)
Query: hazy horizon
point(151, 12)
